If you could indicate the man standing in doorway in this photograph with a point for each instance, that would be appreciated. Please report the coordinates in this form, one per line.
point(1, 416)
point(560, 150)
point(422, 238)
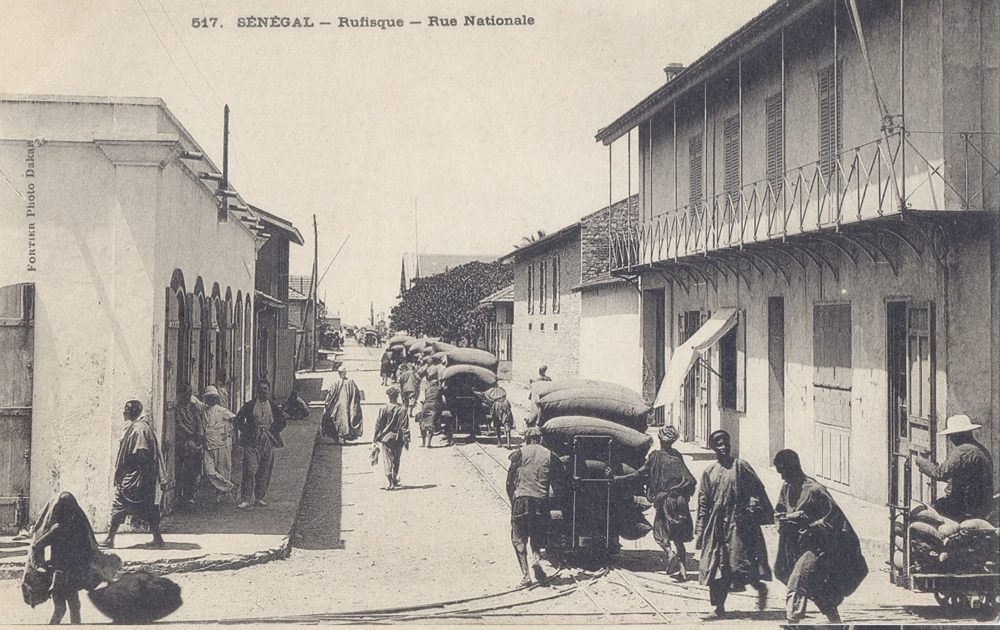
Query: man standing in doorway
point(342, 418)
point(218, 443)
point(190, 428)
point(732, 506)
point(138, 469)
point(260, 423)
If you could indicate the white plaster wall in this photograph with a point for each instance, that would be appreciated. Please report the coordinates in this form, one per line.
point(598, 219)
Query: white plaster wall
point(610, 347)
point(110, 235)
point(963, 323)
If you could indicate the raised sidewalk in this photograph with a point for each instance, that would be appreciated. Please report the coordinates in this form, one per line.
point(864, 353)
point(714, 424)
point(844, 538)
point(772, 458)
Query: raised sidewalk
point(209, 536)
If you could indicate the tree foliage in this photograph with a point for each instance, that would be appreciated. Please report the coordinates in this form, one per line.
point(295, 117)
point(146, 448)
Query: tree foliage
point(446, 305)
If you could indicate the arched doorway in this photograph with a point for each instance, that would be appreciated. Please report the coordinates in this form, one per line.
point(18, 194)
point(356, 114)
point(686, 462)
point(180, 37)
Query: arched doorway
point(247, 348)
point(175, 357)
point(237, 390)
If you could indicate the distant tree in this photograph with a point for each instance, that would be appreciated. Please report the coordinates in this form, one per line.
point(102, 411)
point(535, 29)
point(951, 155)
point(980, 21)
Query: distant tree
point(530, 238)
point(446, 305)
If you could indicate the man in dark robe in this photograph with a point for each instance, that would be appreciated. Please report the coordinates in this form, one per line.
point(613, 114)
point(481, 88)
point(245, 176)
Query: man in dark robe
point(732, 506)
point(392, 433)
point(819, 555)
point(75, 561)
point(190, 430)
point(968, 471)
point(669, 487)
point(138, 469)
point(342, 418)
point(259, 423)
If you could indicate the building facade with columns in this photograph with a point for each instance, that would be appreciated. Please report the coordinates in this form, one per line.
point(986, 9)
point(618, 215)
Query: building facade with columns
point(139, 278)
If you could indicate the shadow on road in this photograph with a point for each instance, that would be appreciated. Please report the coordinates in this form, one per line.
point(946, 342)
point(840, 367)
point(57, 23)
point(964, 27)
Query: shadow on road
point(426, 486)
point(319, 518)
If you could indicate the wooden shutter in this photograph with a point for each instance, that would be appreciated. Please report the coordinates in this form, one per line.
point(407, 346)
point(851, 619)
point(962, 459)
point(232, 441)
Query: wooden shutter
point(741, 362)
point(531, 288)
point(541, 287)
point(555, 284)
point(695, 173)
point(775, 142)
point(830, 118)
point(731, 155)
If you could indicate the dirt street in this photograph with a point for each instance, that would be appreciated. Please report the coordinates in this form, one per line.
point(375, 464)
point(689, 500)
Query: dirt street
point(438, 551)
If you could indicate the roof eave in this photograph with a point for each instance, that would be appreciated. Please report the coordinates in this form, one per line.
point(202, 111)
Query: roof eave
point(747, 36)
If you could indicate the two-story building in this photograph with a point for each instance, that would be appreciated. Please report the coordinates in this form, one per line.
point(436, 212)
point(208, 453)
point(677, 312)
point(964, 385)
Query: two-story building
point(546, 315)
point(817, 249)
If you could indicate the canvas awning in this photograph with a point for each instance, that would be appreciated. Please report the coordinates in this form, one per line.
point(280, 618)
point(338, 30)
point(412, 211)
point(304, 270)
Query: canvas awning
point(688, 353)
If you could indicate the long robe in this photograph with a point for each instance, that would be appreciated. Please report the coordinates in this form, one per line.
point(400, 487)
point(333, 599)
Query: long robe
point(342, 417)
point(728, 530)
point(669, 487)
point(819, 556)
point(138, 469)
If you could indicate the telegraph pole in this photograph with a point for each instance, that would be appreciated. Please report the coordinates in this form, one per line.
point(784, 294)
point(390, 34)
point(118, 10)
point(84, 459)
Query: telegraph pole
point(224, 183)
point(315, 290)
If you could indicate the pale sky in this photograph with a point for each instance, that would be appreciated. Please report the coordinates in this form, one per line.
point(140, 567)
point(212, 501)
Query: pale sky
point(490, 129)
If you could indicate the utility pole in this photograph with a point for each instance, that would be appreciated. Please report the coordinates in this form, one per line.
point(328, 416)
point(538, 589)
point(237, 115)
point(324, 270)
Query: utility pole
point(315, 291)
point(223, 215)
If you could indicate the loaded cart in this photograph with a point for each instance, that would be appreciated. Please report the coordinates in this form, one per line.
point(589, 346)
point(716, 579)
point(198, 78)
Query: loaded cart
point(584, 524)
point(957, 562)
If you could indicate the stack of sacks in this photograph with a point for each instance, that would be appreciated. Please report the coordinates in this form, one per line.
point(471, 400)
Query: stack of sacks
point(574, 407)
point(466, 369)
point(398, 346)
point(941, 545)
point(415, 348)
point(595, 399)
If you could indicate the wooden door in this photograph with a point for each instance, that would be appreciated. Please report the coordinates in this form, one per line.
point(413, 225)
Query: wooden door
point(174, 355)
point(17, 355)
point(912, 392)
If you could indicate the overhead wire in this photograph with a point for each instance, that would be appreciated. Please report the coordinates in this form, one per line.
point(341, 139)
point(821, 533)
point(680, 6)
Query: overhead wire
point(213, 117)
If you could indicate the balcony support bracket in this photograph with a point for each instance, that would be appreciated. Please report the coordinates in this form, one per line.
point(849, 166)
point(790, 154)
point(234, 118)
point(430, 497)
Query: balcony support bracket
point(700, 274)
point(775, 268)
point(834, 241)
point(669, 276)
point(728, 264)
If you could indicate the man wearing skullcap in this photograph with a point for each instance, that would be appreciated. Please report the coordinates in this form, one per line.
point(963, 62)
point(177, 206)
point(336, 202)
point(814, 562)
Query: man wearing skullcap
point(532, 470)
point(138, 469)
point(732, 506)
point(669, 487)
point(392, 434)
point(819, 555)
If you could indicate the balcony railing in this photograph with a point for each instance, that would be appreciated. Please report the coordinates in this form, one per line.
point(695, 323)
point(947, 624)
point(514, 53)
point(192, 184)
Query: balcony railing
point(944, 171)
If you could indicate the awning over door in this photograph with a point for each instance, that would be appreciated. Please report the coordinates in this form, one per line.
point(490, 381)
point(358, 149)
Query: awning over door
point(688, 353)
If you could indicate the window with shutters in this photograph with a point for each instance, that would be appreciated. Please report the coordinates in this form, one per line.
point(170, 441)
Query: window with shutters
point(694, 173)
point(555, 284)
point(831, 114)
point(775, 143)
point(541, 287)
point(531, 289)
point(731, 156)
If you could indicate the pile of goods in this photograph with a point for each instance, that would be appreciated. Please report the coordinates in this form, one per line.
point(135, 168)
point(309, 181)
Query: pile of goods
point(137, 598)
point(941, 545)
point(569, 408)
point(463, 372)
